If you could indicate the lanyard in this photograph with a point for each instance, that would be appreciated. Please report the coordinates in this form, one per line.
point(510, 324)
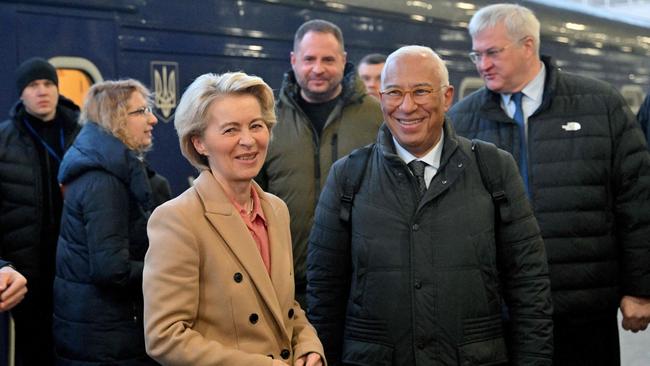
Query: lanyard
point(47, 147)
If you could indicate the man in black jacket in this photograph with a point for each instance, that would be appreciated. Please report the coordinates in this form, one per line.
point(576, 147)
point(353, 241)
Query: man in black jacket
point(41, 127)
point(419, 275)
point(588, 173)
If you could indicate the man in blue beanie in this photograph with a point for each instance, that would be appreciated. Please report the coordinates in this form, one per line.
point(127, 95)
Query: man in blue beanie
point(41, 126)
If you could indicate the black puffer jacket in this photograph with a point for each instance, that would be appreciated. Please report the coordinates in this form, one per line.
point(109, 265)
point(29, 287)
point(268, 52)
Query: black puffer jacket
point(21, 197)
point(98, 301)
point(423, 284)
point(589, 179)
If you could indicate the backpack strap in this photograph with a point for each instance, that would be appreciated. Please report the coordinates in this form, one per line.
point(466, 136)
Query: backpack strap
point(354, 169)
point(487, 157)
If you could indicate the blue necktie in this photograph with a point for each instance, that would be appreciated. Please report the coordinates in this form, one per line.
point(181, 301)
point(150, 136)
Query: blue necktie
point(523, 151)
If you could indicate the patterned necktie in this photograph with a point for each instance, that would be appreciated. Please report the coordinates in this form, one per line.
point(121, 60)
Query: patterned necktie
point(523, 151)
point(417, 167)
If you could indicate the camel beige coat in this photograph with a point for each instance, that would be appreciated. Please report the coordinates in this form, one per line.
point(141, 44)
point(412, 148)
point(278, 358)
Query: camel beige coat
point(208, 299)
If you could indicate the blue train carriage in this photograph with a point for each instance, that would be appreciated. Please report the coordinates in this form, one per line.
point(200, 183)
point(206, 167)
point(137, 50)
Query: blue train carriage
point(167, 43)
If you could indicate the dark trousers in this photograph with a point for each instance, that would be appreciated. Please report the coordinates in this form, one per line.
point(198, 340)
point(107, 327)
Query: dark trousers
point(591, 341)
point(33, 324)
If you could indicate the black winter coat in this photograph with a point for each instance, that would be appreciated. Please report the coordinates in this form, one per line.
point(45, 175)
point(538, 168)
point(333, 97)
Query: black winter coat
point(98, 285)
point(21, 196)
point(589, 179)
point(423, 283)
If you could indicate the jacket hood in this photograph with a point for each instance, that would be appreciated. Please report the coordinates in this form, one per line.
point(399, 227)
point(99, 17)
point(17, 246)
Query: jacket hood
point(96, 149)
point(353, 89)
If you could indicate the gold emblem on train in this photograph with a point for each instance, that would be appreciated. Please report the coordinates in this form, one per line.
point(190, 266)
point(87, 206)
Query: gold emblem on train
point(164, 76)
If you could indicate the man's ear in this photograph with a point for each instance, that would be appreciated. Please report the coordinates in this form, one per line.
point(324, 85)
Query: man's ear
point(449, 97)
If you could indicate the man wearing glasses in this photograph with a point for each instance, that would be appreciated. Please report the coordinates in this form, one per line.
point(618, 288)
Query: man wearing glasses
point(587, 170)
point(418, 275)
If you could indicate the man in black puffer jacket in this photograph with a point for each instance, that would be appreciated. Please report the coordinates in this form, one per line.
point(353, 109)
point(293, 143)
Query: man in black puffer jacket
point(41, 127)
point(588, 179)
point(419, 275)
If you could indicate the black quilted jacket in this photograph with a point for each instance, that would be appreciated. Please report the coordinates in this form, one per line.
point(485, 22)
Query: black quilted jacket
point(589, 177)
point(21, 199)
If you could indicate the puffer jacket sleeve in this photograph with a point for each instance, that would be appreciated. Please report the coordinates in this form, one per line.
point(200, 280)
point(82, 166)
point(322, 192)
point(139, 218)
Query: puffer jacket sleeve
point(105, 202)
point(328, 268)
point(631, 172)
point(524, 273)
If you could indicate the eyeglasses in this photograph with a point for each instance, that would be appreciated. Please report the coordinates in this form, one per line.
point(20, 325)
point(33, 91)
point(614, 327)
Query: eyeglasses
point(141, 111)
point(492, 53)
point(422, 95)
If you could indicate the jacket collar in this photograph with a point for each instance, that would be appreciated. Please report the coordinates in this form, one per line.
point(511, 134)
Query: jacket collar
point(94, 148)
point(65, 108)
point(452, 162)
point(353, 89)
point(491, 100)
point(387, 147)
point(228, 223)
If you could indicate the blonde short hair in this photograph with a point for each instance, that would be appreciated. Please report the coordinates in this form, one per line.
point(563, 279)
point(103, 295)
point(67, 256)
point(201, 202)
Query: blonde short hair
point(106, 105)
point(191, 117)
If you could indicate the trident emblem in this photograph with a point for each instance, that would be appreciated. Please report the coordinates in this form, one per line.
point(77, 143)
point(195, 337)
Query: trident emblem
point(165, 82)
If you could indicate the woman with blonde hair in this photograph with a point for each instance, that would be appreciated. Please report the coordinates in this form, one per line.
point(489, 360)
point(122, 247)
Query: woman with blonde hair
point(102, 242)
point(218, 277)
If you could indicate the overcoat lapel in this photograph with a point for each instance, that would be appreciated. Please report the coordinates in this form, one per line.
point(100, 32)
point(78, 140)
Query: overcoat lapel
point(229, 225)
point(280, 262)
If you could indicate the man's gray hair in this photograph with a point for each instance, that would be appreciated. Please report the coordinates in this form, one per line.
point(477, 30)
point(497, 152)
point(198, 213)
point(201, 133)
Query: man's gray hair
point(420, 50)
point(519, 22)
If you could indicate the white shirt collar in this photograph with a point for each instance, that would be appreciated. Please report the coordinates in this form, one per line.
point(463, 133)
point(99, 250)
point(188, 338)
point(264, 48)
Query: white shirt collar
point(432, 158)
point(533, 90)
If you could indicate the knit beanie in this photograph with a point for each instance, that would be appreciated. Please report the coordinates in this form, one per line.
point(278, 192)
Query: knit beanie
point(34, 69)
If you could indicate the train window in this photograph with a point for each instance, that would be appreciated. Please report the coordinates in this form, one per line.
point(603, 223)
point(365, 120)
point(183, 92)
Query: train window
point(73, 84)
point(76, 75)
point(468, 86)
point(633, 95)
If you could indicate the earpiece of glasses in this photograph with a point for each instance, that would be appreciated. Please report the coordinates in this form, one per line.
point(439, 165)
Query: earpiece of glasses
point(141, 111)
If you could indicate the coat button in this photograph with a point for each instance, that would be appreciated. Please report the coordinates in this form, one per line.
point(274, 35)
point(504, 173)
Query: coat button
point(444, 182)
point(238, 277)
point(418, 284)
point(290, 313)
point(416, 227)
point(253, 318)
point(285, 354)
